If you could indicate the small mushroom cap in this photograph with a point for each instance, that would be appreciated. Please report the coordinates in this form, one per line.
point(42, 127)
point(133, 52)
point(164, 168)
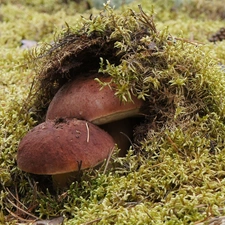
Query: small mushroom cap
point(84, 98)
point(63, 146)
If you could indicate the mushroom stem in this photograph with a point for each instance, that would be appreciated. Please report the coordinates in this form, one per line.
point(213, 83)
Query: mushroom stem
point(63, 180)
point(122, 133)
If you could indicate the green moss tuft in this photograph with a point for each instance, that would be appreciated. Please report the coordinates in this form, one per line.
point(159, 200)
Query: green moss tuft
point(174, 171)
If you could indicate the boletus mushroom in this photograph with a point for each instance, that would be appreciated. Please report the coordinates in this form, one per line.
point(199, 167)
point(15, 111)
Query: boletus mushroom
point(63, 146)
point(84, 98)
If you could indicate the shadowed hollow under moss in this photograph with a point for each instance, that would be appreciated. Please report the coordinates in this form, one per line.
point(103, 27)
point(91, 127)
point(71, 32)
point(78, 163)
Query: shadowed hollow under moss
point(174, 172)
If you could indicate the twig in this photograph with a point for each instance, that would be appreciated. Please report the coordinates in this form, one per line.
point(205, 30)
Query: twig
point(88, 136)
point(18, 201)
point(96, 220)
point(91, 222)
point(188, 41)
point(22, 210)
point(173, 144)
point(213, 221)
point(127, 138)
point(18, 217)
point(147, 20)
point(107, 162)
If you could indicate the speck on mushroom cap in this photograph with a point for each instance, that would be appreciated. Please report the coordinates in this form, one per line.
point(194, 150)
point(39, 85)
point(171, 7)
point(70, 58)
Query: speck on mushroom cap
point(83, 98)
point(59, 146)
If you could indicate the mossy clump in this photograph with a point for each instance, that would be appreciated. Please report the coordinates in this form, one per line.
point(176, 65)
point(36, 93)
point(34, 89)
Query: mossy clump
point(213, 10)
point(174, 171)
point(49, 6)
point(171, 74)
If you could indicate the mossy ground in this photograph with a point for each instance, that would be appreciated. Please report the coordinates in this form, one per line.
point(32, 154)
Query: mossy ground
point(174, 174)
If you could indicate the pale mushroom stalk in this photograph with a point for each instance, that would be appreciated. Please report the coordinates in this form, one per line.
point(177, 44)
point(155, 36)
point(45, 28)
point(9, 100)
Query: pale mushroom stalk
point(65, 179)
point(122, 132)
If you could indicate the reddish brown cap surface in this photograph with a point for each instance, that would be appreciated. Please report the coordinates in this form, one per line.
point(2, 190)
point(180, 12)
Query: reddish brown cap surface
point(83, 98)
point(56, 147)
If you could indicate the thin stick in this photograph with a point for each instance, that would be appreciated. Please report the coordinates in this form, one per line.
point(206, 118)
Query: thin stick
point(127, 138)
point(188, 41)
point(29, 214)
point(18, 217)
point(147, 19)
point(96, 220)
point(93, 221)
point(18, 201)
point(16, 198)
point(107, 162)
point(173, 144)
point(88, 136)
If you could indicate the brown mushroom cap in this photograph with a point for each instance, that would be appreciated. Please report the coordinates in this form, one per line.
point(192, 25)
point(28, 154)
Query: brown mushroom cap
point(83, 98)
point(62, 146)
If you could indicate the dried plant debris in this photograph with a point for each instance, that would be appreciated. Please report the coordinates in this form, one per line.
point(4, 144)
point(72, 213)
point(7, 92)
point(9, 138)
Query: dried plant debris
point(173, 172)
point(218, 36)
point(113, 3)
point(213, 10)
point(55, 221)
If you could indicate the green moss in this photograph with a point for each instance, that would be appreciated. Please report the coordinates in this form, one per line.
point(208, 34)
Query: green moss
point(174, 172)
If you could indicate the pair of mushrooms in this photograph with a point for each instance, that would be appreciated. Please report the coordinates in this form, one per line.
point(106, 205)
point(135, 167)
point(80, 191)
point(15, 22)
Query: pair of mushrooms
point(83, 124)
